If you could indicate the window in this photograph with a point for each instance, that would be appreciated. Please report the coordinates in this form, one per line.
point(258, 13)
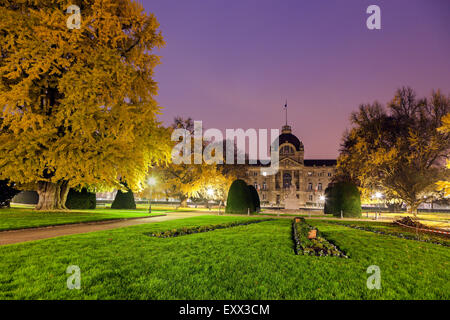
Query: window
point(319, 187)
point(255, 185)
point(310, 186)
point(310, 197)
point(329, 174)
point(287, 179)
point(287, 150)
point(264, 186)
point(255, 173)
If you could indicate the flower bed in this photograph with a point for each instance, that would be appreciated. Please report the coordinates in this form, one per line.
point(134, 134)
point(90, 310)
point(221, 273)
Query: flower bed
point(413, 223)
point(306, 244)
point(185, 230)
point(403, 235)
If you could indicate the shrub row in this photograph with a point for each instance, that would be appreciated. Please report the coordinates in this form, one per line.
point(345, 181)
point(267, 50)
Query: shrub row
point(406, 235)
point(185, 230)
point(318, 246)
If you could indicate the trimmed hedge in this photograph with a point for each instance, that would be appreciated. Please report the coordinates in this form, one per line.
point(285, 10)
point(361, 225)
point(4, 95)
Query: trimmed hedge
point(124, 200)
point(318, 246)
point(7, 192)
point(80, 199)
point(343, 196)
point(255, 198)
point(239, 198)
point(185, 231)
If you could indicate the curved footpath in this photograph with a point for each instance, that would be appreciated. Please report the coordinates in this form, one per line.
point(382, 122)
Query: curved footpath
point(24, 235)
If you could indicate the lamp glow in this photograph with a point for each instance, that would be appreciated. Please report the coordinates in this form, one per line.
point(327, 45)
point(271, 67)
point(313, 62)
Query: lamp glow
point(151, 181)
point(210, 192)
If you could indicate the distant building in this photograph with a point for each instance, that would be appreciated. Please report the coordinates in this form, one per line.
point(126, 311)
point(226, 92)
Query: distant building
point(299, 182)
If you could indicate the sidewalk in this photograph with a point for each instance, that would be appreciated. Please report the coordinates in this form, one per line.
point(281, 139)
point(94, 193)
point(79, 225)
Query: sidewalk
point(24, 235)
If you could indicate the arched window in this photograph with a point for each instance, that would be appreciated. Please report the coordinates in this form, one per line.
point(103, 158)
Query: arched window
point(287, 150)
point(310, 186)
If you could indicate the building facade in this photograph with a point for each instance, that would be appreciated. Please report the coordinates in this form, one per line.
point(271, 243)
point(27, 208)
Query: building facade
point(299, 183)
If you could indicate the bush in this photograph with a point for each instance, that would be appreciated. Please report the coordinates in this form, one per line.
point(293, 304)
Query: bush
point(255, 198)
point(343, 196)
point(7, 192)
point(124, 200)
point(26, 197)
point(80, 199)
point(239, 198)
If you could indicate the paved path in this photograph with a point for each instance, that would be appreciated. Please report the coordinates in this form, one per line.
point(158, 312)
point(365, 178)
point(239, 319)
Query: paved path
point(23, 235)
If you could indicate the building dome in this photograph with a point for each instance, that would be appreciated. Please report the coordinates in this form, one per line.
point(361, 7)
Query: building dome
point(287, 136)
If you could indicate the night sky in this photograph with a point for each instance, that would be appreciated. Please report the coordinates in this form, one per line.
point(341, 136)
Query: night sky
point(233, 63)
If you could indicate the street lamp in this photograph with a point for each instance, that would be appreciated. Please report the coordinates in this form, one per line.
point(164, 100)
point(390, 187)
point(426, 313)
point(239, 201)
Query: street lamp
point(151, 182)
point(210, 194)
point(378, 196)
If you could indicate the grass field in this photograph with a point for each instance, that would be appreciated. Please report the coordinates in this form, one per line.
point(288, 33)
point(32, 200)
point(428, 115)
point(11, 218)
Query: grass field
point(389, 227)
point(19, 218)
point(245, 262)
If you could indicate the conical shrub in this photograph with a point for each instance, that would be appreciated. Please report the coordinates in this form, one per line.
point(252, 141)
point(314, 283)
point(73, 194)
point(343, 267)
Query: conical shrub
point(239, 199)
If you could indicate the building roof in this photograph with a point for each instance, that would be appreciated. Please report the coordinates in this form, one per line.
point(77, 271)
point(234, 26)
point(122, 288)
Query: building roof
point(290, 138)
point(320, 162)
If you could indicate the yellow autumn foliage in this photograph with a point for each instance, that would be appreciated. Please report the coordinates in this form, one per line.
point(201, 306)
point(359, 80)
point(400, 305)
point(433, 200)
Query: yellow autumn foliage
point(78, 105)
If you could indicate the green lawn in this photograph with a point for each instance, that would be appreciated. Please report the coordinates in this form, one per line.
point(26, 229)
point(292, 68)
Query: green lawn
point(18, 218)
point(300, 214)
point(389, 227)
point(244, 262)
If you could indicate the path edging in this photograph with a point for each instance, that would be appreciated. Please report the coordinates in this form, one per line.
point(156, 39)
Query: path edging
point(97, 222)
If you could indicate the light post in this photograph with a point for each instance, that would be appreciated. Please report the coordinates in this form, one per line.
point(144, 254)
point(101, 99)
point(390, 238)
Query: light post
point(210, 193)
point(151, 182)
point(378, 196)
point(322, 199)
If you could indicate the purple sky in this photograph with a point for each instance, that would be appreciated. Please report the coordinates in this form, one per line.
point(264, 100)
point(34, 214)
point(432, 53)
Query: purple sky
point(233, 63)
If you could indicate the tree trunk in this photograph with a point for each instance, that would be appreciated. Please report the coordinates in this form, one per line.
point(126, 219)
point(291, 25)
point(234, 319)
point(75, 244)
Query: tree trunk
point(412, 209)
point(52, 196)
point(64, 191)
point(183, 202)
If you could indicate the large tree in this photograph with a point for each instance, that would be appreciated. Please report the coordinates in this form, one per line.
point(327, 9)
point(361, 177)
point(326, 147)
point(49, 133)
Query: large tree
point(77, 105)
point(398, 150)
point(444, 185)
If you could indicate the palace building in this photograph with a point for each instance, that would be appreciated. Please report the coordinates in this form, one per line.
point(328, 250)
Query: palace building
point(299, 183)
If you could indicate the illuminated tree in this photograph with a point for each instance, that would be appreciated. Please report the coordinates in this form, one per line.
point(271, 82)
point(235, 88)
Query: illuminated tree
point(77, 106)
point(185, 180)
point(398, 151)
point(444, 185)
